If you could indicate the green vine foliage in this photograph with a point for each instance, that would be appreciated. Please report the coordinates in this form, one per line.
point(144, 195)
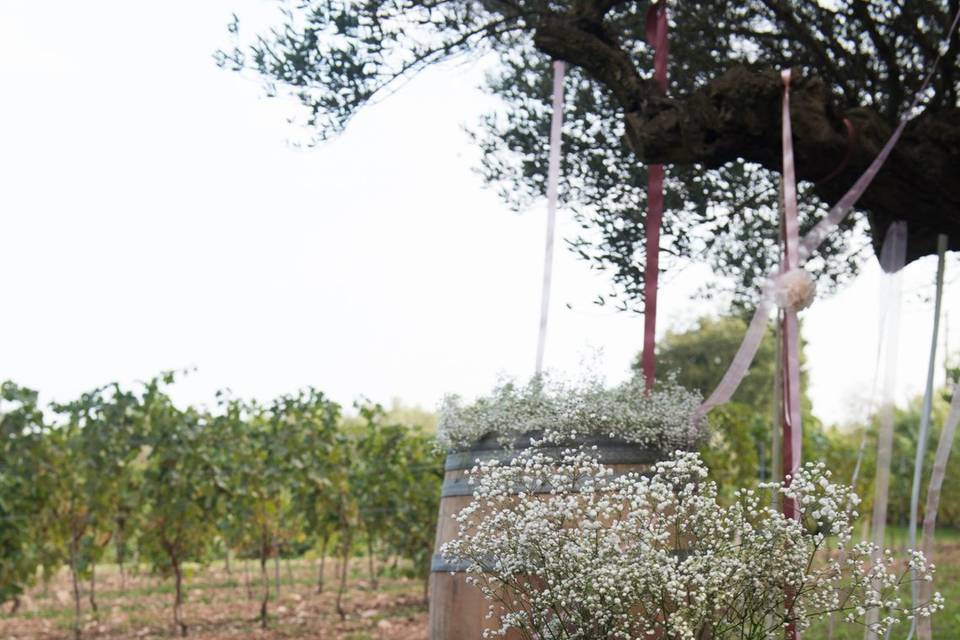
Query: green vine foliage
point(121, 473)
point(98, 440)
point(26, 490)
point(179, 491)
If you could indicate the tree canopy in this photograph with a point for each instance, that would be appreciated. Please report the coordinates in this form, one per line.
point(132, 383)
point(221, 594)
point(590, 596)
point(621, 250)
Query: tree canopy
point(718, 128)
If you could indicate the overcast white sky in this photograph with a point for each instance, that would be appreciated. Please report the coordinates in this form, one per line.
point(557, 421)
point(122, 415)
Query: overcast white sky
point(154, 216)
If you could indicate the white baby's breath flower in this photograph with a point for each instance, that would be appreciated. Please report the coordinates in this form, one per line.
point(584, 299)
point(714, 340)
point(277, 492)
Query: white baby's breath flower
point(664, 419)
point(634, 556)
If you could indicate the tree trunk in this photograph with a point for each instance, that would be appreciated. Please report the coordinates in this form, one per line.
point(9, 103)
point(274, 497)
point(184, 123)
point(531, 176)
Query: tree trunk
point(275, 546)
point(265, 580)
point(246, 579)
point(337, 562)
point(323, 560)
point(123, 571)
point(226, 562)
point(276, 567)
point(76, 587)
point(426, 581)
point(178, 599)
point(371, 564)
point(92, 596)
point(344, 569)
point(120, 546)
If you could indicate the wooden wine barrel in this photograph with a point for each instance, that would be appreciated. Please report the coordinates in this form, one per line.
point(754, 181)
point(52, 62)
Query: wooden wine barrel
point(458, 610)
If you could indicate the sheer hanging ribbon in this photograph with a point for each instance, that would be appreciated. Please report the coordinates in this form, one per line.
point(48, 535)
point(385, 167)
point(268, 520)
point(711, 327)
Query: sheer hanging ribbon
point(933, 501)
point(886, 331)
point(921, 453)
point(810, 243)
point(657, 38)
point(553, 181)
point(892, 256)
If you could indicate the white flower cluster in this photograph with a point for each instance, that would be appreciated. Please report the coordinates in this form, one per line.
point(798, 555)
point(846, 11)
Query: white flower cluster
point(564, 549)
point(663, 419)
point(794, 289)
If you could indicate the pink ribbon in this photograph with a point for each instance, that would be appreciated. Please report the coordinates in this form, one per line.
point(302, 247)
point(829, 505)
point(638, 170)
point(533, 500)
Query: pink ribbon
point(792, 428)
point(657, 38)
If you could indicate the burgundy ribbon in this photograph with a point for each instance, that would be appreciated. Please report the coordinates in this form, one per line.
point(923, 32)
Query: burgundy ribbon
point(657, 38)
point(851, 145)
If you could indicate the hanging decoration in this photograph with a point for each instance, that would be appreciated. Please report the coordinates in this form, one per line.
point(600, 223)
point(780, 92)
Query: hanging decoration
point(885, 305)
point(933, 499)
point(553, 182)
point(925, 416)
point(791, 279)
point(887, 339)
point(657, 38)
point(776, 441)
point(809, 244)
point(895, 248)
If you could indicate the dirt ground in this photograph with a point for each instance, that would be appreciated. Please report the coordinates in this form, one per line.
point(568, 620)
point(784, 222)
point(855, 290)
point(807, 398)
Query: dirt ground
point(225, 605)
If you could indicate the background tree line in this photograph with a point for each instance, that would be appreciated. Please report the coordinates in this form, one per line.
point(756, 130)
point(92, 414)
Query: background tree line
point(124, 475)
point(739, 450)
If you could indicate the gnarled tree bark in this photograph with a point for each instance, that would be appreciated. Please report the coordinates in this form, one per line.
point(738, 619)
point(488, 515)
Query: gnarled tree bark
point(737, 115)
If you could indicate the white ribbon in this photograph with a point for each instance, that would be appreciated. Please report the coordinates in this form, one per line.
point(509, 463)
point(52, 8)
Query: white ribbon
point(553, 181)
point(925, 420)
point(893, 255)
point(933, 499)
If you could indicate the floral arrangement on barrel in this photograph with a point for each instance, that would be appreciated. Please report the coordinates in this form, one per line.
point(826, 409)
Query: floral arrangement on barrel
point(664, 419)
point(565, 549)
